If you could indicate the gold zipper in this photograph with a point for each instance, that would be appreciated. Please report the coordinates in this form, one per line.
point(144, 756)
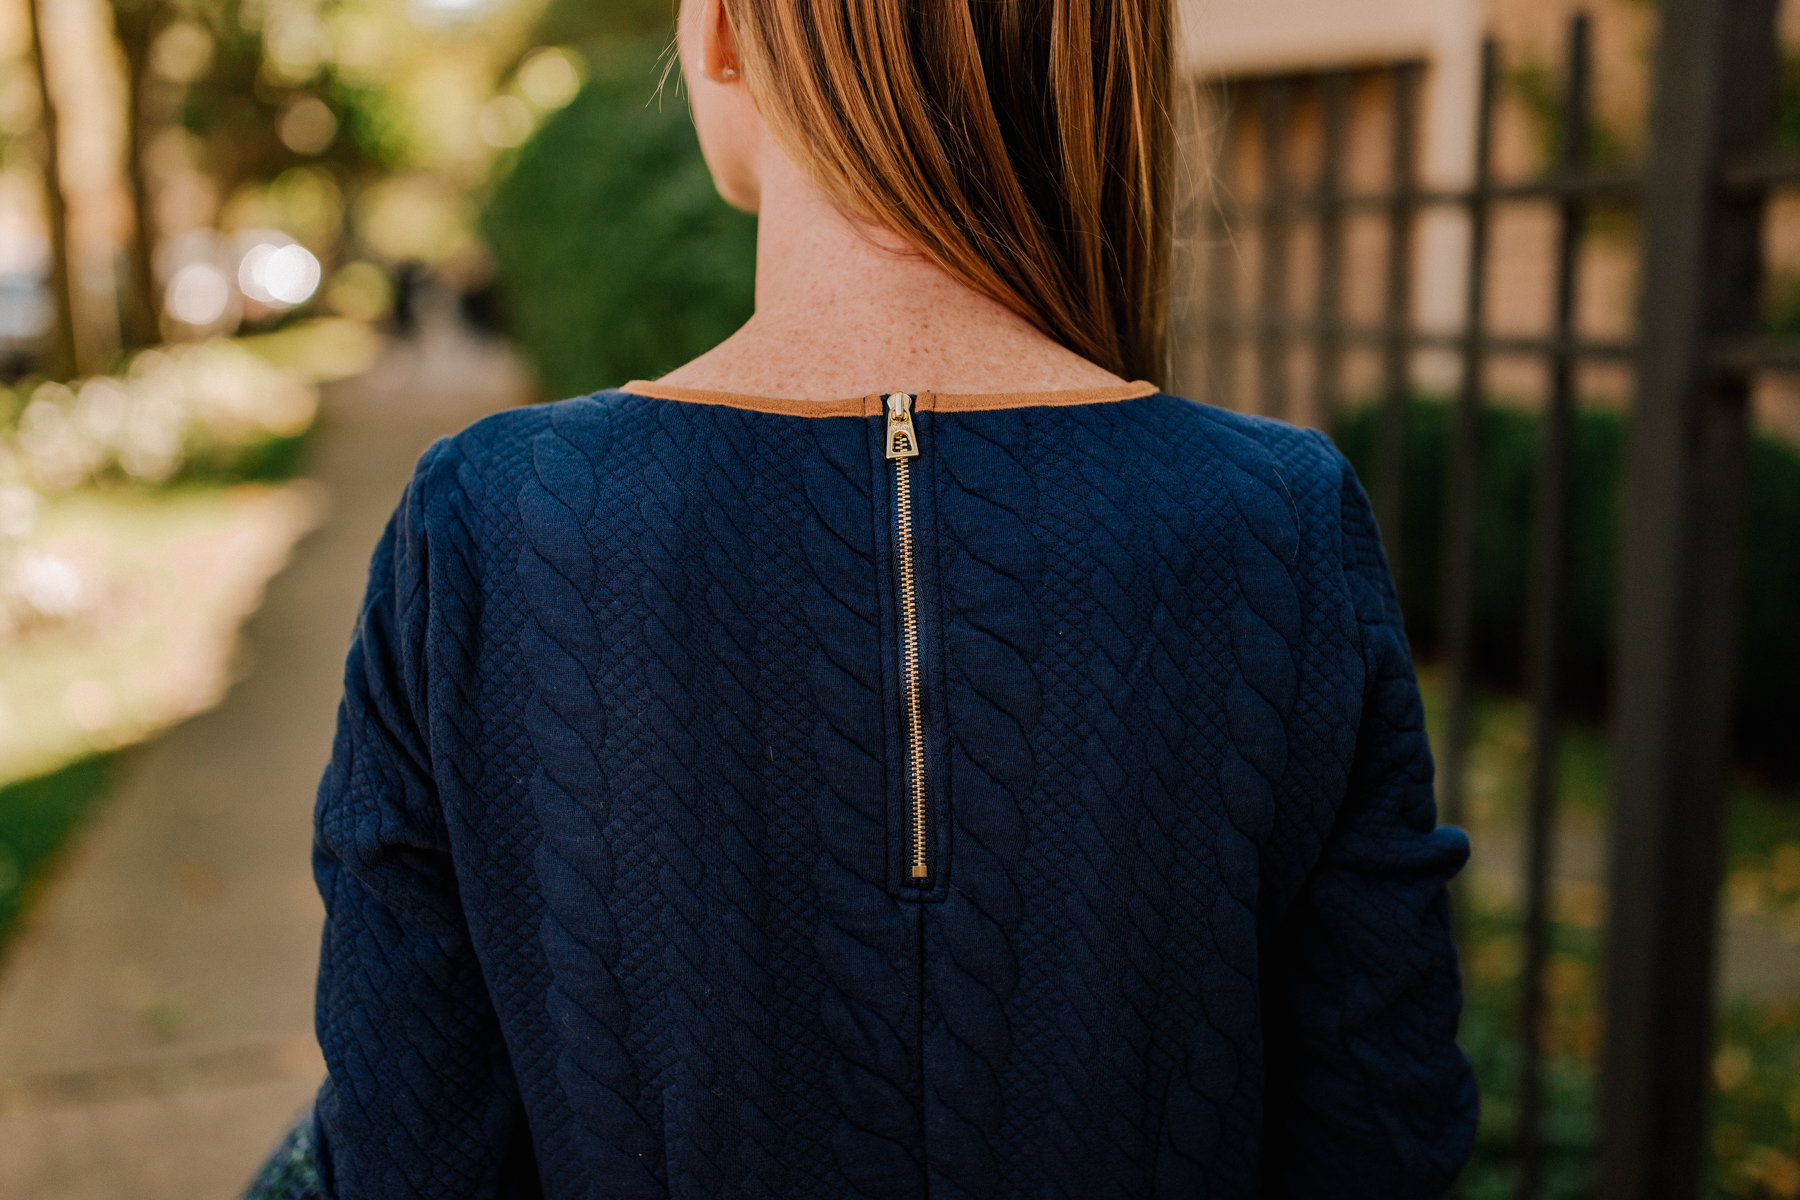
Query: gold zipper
point(902, 448)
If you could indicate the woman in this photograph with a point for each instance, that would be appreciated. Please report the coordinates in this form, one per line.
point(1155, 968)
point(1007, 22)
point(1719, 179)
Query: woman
point(1006, 781)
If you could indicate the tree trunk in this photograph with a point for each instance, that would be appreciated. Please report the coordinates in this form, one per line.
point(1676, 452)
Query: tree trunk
point(137, 25)
point(60, 362)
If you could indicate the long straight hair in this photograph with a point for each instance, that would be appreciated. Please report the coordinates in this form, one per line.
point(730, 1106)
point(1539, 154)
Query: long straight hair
point(1022, 145)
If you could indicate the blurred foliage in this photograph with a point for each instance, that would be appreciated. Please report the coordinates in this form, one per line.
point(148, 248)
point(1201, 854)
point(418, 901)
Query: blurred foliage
point(1538, 88)
point(616, 257)
point(586, 24)
point(235, 107)
point(1495, 794)
point(1756, 1070)
point(1491, 957)
point(1756, 1106)
point(265, 460)
point(1768, 705)
point(370, 127)
point(1764, 875)
point(36, 816)
point(213, 410)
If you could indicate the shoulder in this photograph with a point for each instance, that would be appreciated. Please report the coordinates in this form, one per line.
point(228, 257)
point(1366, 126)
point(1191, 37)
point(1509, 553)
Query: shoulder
point(1262, 463)
point(1298, 498)
point(483, 467)
point(501, 443)
point(1306, 458)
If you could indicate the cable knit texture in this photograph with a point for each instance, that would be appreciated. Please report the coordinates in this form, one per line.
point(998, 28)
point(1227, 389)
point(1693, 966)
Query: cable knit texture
point(615, 844)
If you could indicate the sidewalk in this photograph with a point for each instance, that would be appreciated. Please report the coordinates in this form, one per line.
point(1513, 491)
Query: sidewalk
point(156, 1011)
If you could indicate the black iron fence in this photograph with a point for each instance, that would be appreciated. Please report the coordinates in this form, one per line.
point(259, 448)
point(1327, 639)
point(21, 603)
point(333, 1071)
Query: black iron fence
point(1699, 200)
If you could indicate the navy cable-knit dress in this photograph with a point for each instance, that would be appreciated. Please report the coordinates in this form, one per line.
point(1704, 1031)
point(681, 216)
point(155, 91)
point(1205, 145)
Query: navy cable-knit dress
point(937, 796)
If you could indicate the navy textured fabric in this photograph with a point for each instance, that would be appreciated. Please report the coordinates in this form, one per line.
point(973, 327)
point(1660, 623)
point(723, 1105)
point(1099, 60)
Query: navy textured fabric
point(614, 846)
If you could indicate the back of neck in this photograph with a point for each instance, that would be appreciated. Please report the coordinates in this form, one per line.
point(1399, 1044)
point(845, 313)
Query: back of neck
point(844, 309)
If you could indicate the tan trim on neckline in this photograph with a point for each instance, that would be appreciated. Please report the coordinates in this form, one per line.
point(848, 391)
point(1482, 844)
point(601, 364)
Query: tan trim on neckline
point(870, 406)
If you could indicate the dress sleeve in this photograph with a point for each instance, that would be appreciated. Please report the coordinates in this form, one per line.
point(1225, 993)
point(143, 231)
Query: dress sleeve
point(1368, 1094)
point(420, 1100)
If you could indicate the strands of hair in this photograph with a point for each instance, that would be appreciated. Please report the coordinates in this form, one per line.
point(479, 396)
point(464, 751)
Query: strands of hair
point(1023, 145)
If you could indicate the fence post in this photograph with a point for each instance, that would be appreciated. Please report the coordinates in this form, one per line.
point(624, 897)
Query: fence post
point(1686, 466)
point(1396, 351)
point(1274, 115)
point(1461, 483)
point(1334, 117)
point(1221, 261)
point(1547, 611)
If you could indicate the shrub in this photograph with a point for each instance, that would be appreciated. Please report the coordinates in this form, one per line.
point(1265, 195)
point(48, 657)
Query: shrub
point(1768, 696)
point(616, 257)
point(211, 410)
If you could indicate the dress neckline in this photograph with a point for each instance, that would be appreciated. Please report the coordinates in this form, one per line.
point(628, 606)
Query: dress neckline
point(871, 405)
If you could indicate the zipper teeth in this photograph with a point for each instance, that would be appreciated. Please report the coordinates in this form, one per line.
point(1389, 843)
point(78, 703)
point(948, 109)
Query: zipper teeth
point(909, 654)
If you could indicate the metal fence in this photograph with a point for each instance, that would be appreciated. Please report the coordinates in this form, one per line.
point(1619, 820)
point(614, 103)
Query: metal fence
point(1700, 200)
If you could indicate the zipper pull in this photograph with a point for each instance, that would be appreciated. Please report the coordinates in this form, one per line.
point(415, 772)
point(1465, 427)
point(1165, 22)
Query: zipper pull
point(902, 440)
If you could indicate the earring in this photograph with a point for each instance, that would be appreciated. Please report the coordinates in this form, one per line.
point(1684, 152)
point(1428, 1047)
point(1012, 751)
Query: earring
point(728, 74)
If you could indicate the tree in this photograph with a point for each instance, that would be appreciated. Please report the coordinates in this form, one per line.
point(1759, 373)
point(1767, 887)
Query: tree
point(62, 361)
point(138, 23)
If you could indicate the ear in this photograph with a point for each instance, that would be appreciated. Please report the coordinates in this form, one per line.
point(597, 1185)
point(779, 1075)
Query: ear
point(718, 44)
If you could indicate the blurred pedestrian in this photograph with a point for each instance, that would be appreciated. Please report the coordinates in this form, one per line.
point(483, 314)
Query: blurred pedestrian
point(410, 280)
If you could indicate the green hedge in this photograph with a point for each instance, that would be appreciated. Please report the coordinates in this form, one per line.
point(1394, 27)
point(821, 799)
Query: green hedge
point(1768, 708)
point(616, 257)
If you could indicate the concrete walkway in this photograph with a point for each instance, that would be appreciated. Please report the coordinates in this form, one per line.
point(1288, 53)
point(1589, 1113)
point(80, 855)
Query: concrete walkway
point(156, 1012)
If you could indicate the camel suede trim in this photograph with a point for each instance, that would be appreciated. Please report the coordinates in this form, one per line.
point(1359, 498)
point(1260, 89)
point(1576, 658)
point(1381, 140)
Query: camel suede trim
point(870, 406)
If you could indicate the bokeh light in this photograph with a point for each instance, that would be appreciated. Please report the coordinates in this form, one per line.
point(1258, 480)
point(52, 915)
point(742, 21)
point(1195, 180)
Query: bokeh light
point(182, 52)
point(275, 271)
point(199, 294)
point(291, 275)
point(307, 125)
point(550, 77)
point(445, 12)
point(504, 122)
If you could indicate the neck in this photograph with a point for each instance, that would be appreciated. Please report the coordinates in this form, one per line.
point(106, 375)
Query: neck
point(843, 309)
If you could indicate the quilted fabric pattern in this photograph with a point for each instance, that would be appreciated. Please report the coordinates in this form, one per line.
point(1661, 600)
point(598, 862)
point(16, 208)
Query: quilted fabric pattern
point(614, 840)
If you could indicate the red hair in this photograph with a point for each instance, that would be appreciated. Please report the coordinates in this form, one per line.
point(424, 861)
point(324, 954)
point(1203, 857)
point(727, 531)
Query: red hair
point(1023, 145)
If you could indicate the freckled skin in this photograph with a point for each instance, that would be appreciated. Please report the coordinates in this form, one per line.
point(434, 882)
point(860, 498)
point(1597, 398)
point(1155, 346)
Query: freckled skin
point(842, 308)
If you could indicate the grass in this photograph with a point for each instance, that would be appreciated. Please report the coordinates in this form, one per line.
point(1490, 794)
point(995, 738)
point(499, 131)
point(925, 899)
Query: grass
point(36, 818)
point(1491, 955)
point(1756, 1068)
point(176, 570)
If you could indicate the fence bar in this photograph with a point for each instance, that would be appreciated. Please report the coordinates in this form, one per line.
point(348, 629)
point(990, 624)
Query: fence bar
point(1547, 603)
point(1507, 345)
point(1686, 465)
point(1616, 187)
point(1390, 478)
point(1273, 112)
point(1754, 173)
point(1221, 265)
point(1328, 348)
point(1754, 353)
point(1465, 463)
